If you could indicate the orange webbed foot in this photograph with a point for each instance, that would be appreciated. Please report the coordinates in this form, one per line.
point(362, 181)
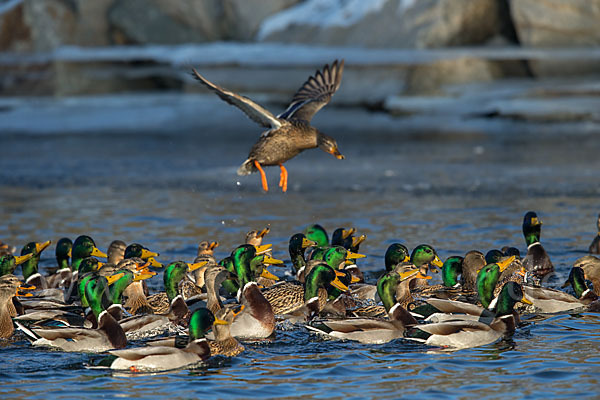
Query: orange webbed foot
point(263, 176)
point(283, 179)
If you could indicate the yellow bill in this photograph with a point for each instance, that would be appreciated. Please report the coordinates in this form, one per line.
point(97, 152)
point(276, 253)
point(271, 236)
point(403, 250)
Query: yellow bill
point(264, 232)
point(213, 245)
point(267, 275)
point(336, 283)
point(147, 254)
point(39, 247)
point(358, 240)
point(220, 322)
point(21, 259)
point(195, 266)
point(354, 279)
point(437, 262)
point(143, 275)
point(263, 248)
point(526, 301)
point(271, 261)
point(307, 243)
point(535, 221)
point(353, 256)
point(505, 263)
point(348, 232)
point(154, 263)
point(97, 253)
point(113, 278)
point(235, 314)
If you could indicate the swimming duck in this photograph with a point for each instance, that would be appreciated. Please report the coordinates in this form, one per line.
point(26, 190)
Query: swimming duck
point(9, 288)
point(225, 344)
point(536, 261)
point(84, 247)
point(591, 268)
point(137, 303)
point(425, 258)
point(290, 132)
point(171, 301)
point(478, 328)
point(297, 245)
point(30, 267)
point(582, 292)
point(595, 245)
point(109, 334)
point(164, 357)
point(317, 234)
point(371, 330)
point(290, 297)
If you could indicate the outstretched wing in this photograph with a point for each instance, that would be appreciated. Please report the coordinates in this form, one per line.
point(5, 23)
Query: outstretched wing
point(256, 112)
point(315, 93)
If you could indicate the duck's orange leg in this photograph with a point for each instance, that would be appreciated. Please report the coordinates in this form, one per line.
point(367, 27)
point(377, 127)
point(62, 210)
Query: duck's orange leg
point(283, 178)
point(263, 177)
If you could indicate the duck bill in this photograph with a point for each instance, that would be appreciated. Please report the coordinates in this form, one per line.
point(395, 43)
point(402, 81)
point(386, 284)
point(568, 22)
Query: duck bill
point(336, 153)
point(307, 243)
point(70, 253)
point(144, 275)
point(524, 300)
point(505, 263)
point(213, 245)
point(21, 259)
point(421, 276)
point(100, 265)
point(358, 240)
point(97, 253)
point(354, 256)
point(141, 267)
point(348, 232)
point(267, 275)
point(113, 278)
point(409, 274)
point(437, 262)
point(154, 263)
point(536, 221)
point(39, 247)
point(220, 322)
point(28, 287)
point(146, 254)
point(271, 261)
point(263, 248)
point(354, 279)
point(336, 283)
point(262, 233)
point(406, 259)
point(195, 266)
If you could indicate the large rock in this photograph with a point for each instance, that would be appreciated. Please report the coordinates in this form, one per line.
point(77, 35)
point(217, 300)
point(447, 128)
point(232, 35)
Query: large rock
point(558, 23)
point(182, 21)
point(387, 23)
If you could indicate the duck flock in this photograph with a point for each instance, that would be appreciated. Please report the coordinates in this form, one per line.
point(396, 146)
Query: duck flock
point(209, 308)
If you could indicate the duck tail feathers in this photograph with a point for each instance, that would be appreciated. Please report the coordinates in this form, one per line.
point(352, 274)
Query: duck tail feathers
point(246, 168)
point(31, 336)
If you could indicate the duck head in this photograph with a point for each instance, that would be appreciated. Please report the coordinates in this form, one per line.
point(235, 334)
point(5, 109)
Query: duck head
point(201, 321)
point(8, 263)
point(328, 145)
point(395, 254)
point(532, 227)
point(30, 266)
point(83, 247)
point(451, 269)
point(139, 251)
point(318, 234)
point(62, 252)
point(322, 276)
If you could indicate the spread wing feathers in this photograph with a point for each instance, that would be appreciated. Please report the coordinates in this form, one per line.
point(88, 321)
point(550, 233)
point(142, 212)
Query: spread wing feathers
point(315, 93)
point(256, 112)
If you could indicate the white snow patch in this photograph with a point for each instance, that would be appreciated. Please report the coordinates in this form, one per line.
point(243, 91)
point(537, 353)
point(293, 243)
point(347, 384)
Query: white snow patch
point(320, 13)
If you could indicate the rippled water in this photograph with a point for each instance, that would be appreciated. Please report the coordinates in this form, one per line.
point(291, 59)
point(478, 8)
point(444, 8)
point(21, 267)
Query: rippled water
point(455, 192)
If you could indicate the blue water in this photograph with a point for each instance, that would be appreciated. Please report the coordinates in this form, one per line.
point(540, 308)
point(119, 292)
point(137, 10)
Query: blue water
point(457, 193)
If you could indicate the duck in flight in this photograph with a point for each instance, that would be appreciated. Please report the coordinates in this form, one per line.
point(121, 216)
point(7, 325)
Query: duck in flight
point(290, 132)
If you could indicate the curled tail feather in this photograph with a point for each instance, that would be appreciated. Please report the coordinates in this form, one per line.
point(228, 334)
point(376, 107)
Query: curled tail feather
point(246, 168)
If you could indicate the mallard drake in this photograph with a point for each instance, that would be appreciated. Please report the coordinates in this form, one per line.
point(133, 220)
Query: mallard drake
point(595, 245)
point(257, 257)
point(290, 132)
point(549, 301)
point(536, 261)
point(290, 297)
point(30, 267)
point(297, 245)
point(8, 263)
point(9, 288)
point(109, 334)
point(479, 327)
point(395, 254)
point(62, 252)
point(450, 287)
point(171, 301)
point(345, 238)
point(317, 234)
point(83, 247)
point(371, 330)
point(165, 357)
point(591, 268)
point(425, 258)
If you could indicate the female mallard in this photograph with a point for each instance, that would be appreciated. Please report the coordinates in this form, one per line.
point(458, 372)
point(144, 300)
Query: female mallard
point(595, 245)
point(30, 267)
point(290, 132)
point(255, 237)
point(371, 330)
point(9, 288)
point(536, 262)
point(206, 252)
point(165, 357)
point(109, 334)
point(479, 327)
point(116, 251)
point(225, 344)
